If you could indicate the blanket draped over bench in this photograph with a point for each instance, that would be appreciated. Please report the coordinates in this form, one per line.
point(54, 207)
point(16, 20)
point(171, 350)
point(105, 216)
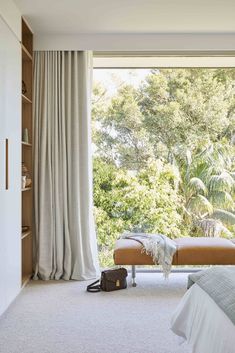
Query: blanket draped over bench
point(160, 247)
point(219, 283)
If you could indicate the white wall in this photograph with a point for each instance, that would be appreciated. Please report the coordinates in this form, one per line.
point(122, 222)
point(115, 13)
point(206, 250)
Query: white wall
point(11, 15)
point(136, 42)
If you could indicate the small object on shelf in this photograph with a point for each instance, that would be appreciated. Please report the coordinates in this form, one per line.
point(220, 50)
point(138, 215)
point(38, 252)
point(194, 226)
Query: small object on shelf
point(25, 229)
point(23, 184)
point(24, 90)
point(25, 173)
point(26, 135)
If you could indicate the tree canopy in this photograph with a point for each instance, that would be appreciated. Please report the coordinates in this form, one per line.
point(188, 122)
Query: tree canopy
point(164, 156)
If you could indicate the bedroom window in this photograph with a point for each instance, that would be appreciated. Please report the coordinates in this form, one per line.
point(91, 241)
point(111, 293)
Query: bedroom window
point(164, 152)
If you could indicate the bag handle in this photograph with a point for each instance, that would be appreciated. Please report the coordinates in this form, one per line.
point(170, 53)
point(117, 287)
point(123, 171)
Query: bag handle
point(92, 288)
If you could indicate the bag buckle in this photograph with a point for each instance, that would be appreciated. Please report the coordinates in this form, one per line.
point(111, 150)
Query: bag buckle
point(117, 283)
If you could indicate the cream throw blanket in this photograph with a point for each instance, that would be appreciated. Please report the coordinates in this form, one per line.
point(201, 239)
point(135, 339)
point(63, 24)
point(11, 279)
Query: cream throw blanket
point(160, 247)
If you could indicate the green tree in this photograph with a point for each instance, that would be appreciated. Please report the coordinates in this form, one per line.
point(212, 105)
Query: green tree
point(122, 135)
point(146, 201)
point(165, 156)
point(209, 189)
point(183, 108)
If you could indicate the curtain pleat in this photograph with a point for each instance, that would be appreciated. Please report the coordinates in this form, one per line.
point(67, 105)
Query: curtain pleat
point(65, 241)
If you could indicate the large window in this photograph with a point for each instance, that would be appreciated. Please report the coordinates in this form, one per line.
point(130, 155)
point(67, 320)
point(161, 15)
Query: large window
point(164, 153)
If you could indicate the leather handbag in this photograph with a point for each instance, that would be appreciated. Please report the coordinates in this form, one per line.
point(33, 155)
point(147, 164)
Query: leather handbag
point(110, 280)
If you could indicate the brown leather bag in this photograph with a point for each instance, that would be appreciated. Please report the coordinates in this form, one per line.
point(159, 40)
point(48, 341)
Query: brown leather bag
point(110, 280)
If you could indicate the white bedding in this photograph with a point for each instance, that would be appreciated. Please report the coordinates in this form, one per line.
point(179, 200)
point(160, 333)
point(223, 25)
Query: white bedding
point(202, 324)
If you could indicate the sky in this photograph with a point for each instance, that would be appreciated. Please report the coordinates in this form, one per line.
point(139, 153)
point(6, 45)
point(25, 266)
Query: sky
point(113, 78)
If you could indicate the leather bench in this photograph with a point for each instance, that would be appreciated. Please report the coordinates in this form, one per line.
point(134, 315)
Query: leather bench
point(190, 251)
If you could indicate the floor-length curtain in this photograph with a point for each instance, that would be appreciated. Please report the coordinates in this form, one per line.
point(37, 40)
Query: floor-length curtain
point(65, 241)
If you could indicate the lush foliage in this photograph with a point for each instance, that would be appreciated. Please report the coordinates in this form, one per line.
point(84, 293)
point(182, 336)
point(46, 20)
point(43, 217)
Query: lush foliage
point(164, 158)
point(125, 201)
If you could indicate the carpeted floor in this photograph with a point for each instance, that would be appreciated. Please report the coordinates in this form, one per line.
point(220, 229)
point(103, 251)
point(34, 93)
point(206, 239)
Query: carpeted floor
point(56, 317)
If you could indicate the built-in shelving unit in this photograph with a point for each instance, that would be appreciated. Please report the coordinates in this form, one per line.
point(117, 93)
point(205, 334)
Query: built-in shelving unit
point(27, 143)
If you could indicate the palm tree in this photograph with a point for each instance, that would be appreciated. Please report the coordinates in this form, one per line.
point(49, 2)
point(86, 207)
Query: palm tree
point(209, 189)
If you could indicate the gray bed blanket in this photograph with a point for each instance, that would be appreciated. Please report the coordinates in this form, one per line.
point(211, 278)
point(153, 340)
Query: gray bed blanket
point(219, 283)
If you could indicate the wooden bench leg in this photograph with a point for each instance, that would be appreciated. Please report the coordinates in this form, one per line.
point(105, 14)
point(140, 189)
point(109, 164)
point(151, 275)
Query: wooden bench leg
point(133, 272)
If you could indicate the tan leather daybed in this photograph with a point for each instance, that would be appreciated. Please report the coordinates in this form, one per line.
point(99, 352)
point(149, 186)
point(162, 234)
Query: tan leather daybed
point(190, 251)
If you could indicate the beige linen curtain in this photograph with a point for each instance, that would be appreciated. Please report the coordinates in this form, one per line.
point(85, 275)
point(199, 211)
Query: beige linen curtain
point(65, 242)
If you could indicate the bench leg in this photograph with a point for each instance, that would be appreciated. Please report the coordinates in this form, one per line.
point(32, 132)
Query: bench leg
point(133, 273)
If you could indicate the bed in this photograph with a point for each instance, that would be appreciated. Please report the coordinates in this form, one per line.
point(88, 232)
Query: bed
point(202, 323)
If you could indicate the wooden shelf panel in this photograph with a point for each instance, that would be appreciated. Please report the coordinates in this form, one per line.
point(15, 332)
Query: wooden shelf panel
point(27, 259)
point(26, 189)
point(25, 280)
point(25, 54)
point(27, 37)
point(26, 144)
point(26, 234)
point(26, 100)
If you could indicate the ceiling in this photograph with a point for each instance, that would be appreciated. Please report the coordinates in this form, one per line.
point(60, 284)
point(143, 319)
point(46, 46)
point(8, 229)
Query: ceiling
point(129, 16)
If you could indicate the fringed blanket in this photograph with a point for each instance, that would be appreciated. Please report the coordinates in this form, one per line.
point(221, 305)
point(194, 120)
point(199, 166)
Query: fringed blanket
point(160, 247)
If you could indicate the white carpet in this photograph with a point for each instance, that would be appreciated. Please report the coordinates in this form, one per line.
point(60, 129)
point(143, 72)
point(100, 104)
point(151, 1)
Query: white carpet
point(56, 317)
